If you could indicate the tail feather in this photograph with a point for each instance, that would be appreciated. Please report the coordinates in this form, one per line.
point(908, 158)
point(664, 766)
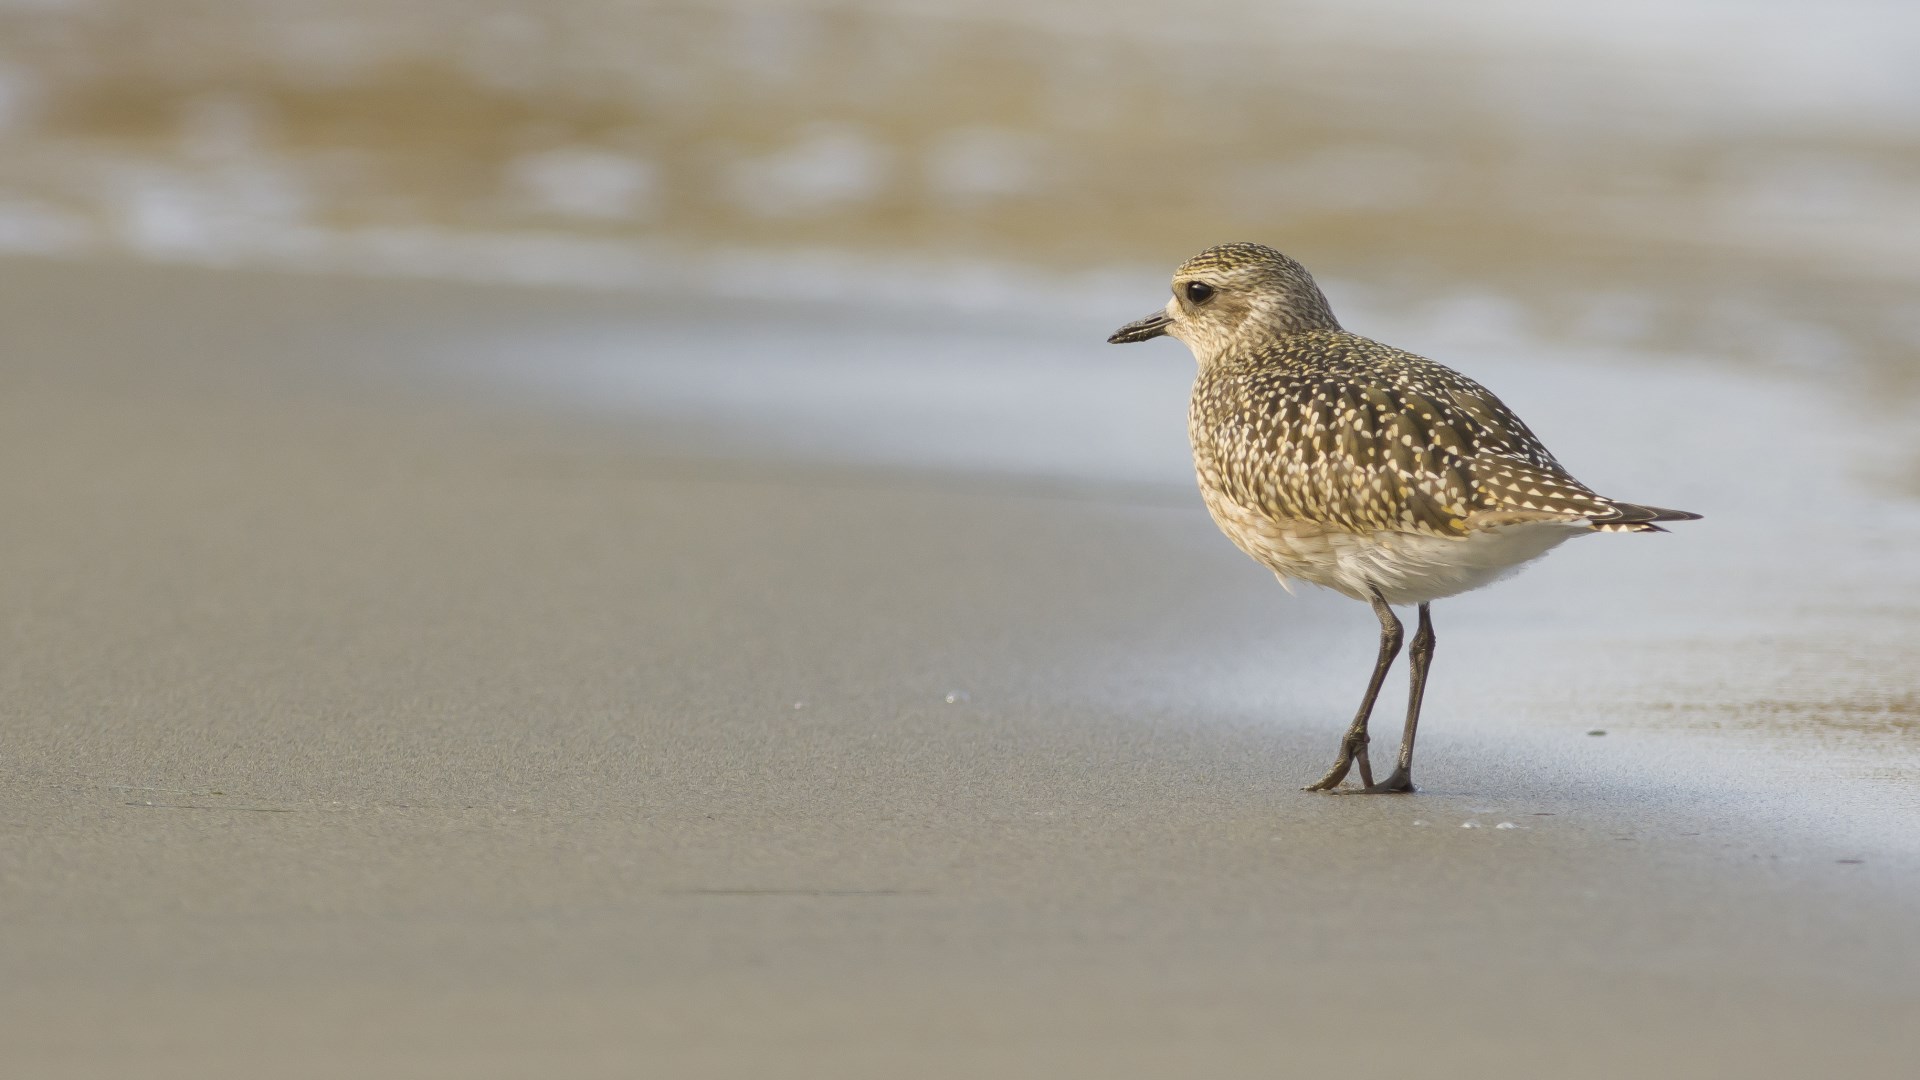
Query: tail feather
point(1633, 517)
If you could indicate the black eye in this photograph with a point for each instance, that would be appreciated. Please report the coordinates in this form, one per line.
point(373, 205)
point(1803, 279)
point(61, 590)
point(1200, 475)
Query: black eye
point(1199, 292)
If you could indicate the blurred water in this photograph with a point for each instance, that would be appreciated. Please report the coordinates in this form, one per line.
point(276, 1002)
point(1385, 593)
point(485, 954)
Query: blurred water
point(1734, 179)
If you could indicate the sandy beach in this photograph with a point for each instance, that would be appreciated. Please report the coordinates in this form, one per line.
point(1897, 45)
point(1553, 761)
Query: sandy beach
point(359, 720)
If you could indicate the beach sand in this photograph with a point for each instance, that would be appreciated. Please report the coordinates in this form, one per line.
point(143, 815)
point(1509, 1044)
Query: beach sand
point(352, 723)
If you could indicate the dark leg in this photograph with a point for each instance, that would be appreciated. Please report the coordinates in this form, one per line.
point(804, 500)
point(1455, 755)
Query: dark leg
point(1418, 657)
point(1353, 745)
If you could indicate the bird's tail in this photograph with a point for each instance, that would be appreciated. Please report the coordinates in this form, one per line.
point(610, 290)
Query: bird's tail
point(1632, 517)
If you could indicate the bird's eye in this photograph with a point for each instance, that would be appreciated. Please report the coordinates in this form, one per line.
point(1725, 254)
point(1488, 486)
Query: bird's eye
point(1199, 292)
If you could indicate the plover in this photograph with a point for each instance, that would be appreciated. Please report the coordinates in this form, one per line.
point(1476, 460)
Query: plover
point(1336, 460)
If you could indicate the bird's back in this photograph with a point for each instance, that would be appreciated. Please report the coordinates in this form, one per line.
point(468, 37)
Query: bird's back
point(1338, 431)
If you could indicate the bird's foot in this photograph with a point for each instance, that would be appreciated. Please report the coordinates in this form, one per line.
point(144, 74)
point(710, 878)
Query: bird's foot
point(1400, 783)
point(1331, 780)
point(1353, 751)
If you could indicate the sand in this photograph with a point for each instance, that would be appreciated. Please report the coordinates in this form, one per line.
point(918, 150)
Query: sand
point(355, 725)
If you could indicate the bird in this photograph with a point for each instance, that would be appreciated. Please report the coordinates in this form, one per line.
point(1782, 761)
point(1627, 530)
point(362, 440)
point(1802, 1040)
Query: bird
point(1338, 461)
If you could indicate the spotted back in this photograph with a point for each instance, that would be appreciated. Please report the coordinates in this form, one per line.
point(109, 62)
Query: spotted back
point(1336, 429)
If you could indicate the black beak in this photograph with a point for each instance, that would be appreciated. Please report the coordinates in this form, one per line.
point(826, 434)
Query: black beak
point(1153, 326)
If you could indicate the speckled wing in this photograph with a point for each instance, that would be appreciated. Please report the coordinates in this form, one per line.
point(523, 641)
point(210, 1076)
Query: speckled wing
point(1515, 477)
point(1320, 448)
point(1517, 480)
point(1362, 437)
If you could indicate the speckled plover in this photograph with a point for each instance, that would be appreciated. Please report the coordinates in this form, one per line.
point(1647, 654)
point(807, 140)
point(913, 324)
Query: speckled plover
point(1333, 459)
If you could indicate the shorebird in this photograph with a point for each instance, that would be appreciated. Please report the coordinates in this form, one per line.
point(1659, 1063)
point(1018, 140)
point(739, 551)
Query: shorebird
point(1336, 460)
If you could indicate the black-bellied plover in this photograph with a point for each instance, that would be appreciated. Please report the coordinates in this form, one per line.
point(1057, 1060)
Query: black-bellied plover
point(1333, 459)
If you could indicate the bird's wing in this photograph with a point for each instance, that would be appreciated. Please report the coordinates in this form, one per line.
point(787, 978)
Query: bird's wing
point(1514, 491)
point(1518, 480)
point(1333, 452)
point(1388, 441)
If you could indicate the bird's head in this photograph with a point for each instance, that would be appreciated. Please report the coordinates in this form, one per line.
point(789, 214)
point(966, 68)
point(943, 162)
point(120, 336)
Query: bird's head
point(1234, 295)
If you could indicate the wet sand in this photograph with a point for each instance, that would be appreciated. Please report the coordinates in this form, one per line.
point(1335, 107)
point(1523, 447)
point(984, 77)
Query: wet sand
point(354, 724)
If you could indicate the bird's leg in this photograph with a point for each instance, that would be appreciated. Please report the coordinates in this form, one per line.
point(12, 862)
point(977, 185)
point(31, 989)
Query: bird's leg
point(1419, 655)
point(1353, 745)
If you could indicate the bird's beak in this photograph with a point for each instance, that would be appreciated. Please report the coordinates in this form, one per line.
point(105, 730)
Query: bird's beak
point(1153, 326)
